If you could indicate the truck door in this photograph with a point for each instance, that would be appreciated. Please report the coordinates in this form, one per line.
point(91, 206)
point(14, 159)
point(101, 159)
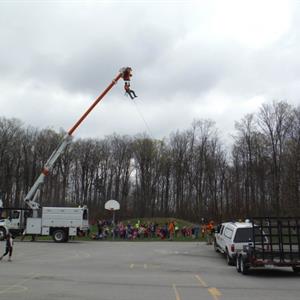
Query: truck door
point(222, 239)
point(15, 219)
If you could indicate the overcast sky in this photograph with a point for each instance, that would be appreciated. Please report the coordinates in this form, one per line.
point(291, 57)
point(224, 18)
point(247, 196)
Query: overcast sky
point(191, 60)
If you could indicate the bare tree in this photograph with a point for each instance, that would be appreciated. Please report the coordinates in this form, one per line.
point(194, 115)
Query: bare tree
point(275, 122)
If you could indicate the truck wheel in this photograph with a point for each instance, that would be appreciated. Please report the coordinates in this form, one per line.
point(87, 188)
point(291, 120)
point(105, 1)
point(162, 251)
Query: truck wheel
point(238, 263)
point(2, 233)
point(59, 236)
point(229, 259)
point(296, 269)
point(244, 268)
point(216, 246)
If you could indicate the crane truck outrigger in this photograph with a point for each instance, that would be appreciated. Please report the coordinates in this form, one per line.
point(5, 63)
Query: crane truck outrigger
point(58, 222)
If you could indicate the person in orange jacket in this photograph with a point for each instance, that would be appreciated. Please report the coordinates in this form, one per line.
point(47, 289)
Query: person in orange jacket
point(210, 231)
point(171, 229)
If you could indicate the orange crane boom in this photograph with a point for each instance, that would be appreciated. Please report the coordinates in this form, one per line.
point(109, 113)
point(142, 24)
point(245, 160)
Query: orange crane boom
point(34, 192)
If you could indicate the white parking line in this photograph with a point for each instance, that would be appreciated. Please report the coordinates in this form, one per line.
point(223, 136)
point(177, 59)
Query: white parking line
point(202, 282)
point(177, 296)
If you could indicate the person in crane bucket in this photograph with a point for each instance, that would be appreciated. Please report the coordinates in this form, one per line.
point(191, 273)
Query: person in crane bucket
point(129, 91)
point(127, 74)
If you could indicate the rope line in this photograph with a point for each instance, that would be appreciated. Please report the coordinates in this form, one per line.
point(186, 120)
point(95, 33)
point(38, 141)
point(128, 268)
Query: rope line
point(141, 115)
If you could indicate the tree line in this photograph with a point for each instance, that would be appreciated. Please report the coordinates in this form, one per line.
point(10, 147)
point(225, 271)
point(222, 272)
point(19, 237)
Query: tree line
point(189, 175)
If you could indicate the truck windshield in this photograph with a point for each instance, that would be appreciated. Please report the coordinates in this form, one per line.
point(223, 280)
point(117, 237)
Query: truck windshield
point(15, 214)
point(243, 235)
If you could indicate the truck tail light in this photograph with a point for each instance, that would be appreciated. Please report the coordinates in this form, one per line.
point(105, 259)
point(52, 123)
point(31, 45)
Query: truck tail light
point(232, 248)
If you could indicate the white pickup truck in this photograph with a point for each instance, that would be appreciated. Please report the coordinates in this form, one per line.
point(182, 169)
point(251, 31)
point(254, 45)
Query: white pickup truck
point(230, 237)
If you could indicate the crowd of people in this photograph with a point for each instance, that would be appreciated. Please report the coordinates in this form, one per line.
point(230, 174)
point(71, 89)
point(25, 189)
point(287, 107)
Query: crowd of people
point(129, 231)
point(139, 230)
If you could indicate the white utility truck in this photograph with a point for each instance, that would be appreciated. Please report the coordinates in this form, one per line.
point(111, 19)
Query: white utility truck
point(58, 222)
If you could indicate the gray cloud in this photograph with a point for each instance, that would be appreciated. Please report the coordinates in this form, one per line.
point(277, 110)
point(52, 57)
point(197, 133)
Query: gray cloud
point(190, 61)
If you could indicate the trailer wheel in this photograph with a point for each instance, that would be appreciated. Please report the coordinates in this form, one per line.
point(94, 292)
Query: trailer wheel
point(244, 268)
point(238, 263)
point(59, 236)
point(296, 269)
point(2, 233)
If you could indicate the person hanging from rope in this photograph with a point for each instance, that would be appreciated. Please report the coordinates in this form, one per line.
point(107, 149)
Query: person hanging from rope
point(129, 91)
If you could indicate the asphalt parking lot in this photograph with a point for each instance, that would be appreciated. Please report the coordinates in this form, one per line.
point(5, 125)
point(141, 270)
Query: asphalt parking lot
point(134, 271)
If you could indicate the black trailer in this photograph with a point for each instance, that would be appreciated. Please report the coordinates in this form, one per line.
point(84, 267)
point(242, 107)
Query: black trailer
point(275, 243)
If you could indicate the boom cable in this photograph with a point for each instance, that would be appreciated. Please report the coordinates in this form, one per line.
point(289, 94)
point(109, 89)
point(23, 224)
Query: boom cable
point(141, 115)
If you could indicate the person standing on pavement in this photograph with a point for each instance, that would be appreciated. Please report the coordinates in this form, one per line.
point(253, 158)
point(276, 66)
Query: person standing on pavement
point(9, 247)
point(210, 232)
point(171, 229)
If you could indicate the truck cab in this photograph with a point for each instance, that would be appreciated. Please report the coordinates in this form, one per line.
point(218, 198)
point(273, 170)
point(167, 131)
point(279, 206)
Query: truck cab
point(15, 219)
point(13, 223)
